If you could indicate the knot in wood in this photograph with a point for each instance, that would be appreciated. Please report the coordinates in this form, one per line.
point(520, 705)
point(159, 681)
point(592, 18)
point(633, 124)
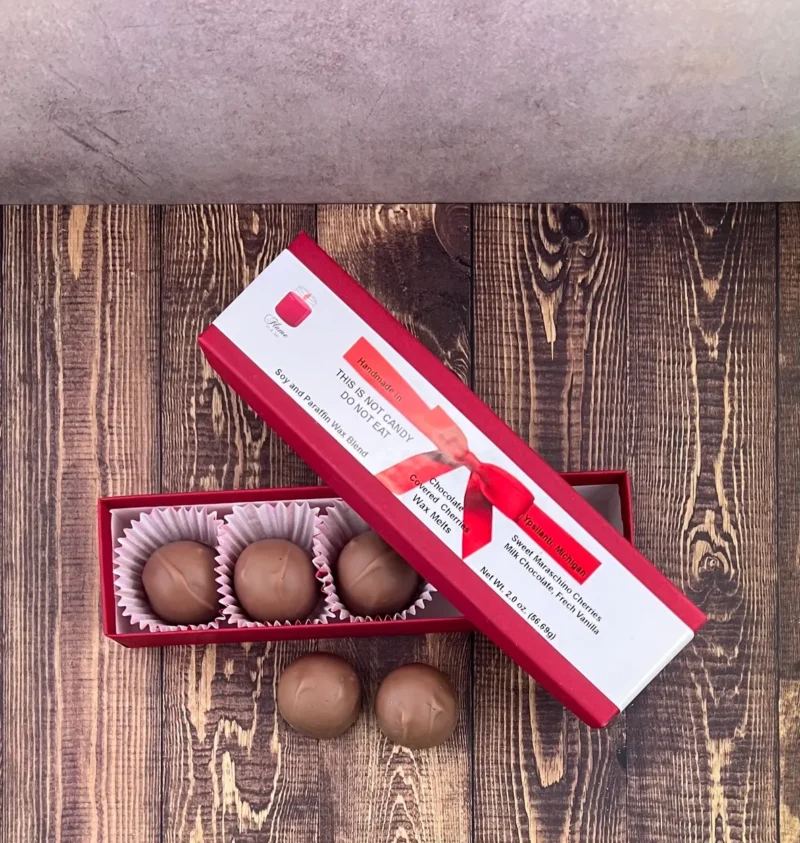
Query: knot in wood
point(452, 226)
point(573, 222)
point(715, 571)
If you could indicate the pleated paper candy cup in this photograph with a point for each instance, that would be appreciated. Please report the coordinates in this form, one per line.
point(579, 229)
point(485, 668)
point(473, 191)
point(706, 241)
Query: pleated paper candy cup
point(249, 523)
point(149, 532)
point(337, 526)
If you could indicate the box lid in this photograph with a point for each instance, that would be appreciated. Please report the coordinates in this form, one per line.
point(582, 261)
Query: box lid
point(448, 484)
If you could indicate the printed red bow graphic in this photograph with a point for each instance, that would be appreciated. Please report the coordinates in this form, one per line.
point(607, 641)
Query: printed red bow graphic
point(489, 486)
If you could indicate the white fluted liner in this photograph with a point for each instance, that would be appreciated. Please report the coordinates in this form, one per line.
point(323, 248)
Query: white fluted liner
point(248, 523)
point(337, 526)
point(152, 530)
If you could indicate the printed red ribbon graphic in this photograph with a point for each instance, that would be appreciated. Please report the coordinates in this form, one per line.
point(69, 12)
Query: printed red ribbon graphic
point(489, 486)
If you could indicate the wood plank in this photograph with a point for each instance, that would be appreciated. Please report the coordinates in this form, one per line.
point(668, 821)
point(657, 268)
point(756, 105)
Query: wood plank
point(233, 770)
point(550, 351)
point(80, 714)
point(703, 737)
point(789, 518)
point(415, 259)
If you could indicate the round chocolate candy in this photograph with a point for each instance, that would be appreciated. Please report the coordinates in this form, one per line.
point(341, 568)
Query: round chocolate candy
point(275, 580)
point(319, 695)
point(180, 583)
point(372, 579)
point(416, 706)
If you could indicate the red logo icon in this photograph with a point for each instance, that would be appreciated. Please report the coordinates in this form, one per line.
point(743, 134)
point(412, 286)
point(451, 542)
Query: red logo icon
point(295, 306)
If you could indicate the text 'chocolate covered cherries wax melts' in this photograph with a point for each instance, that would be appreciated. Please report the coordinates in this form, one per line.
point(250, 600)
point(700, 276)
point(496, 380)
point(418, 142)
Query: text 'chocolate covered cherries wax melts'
point(275, 581)
point(179, 581)
point(319, 695)
point(458, 495)
point(416, 706)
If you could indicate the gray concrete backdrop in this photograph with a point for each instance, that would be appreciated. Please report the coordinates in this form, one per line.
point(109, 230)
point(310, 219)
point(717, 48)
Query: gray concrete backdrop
point(338, 100)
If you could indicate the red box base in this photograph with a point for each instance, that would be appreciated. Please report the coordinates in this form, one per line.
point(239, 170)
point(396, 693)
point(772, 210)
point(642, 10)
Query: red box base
point(333, 629)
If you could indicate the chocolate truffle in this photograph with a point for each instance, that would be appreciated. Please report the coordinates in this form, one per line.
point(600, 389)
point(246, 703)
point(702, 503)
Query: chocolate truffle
point(416, 706)
point(275, 581)
point(179, 580)
point(319, 695)
point(372, 579)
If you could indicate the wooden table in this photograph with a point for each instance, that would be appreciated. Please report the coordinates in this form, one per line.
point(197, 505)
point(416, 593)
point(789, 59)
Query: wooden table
point(663, 339)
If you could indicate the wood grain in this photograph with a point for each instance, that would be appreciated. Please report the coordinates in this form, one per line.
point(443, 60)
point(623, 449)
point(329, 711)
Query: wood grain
point(702, 737)
point(550, 351)
point(213, 439)
point(607, 336)
point(415, 259)
point(233, 770)
point(81, 725)
point(789, 518)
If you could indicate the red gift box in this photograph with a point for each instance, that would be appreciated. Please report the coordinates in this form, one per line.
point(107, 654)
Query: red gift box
point(450, 486)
